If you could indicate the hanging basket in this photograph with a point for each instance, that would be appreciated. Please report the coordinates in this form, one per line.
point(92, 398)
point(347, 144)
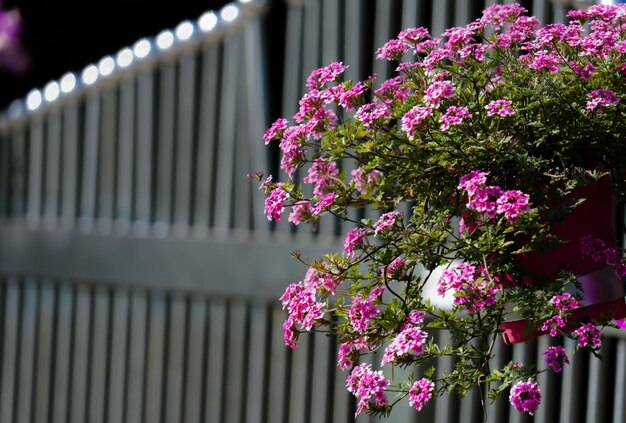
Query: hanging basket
point(603, 290)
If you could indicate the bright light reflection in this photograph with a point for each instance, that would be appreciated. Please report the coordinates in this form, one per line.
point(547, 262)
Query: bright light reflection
point(142, 48)
point(68, 82)
point(207, 21)
point(33, 100)
point(124, 57)
point(184, 30)
point(90, 74)
point(51, 91)
point(165, 40)
point(106, 66)
point(229, 13)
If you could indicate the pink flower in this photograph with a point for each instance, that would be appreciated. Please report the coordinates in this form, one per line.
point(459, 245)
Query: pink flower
point(556, 358)
point(322, 174)
point(593, 247)
point(526, 396)
point(349, 98)
point(275, 132)
point(542, 59)
point(275, 203)
point(368, 386)
point(553, 324)
point(302, 306)
point(371, 114)
point(361, 312)
point(472, 288)
point(500, 107)
point(486, 201)
point(610, 256)
point(291, 145)
point(588, 335)
point(455, 277)
point(601, 99)
point(395, 269)
point(410, 341)
point(472, 181)
point(497, 15)
point(585, 72)
point(348, 352)
point(314, 279)
point(511, 204)
point(301, 211)
point(415, 119)
point(413, 35)
point(393, 90)
point(392, 50)
point(415, 317)
point(437, 91)
point(564, 302)
point(290, 334)
point(387, 221)
point(454, 116)
point(354, 238)
point(420, 393)
point(324, 202)
point(323, 76)
point(311, 103)
point(363, 182)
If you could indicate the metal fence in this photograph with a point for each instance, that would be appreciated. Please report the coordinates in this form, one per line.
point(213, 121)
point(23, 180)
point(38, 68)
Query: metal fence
point(138, 275)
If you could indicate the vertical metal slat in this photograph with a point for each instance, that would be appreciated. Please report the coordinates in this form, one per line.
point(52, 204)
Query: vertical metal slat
point(155, 359)
point(28, 333)
point(125, 159)
point(195, 359)
point(215, 361)
point(53, 170)
point(118, 369)
point(278, 395)
point(44, 352)
point(167, 111)
point(136, 356)
point(227, 133)
point(175, 358)
point(80, 356)
point(143, 161)
point(10, 350)
point(107, 161)
point(257, 359)
point(202, 214)
point(99, 355)
point(237, 332)
point(89, 162)
point(35, 169)
point(184, 144)
point(70, 165)
point(63, 341)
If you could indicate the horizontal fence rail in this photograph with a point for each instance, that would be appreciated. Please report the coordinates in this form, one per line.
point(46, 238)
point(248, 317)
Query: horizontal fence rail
point(138, 274)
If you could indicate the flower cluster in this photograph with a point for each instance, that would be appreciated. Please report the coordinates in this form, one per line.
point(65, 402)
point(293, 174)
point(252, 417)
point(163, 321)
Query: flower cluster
point(526, 396)
point(450, 178)
point(492, 200)
point(420, 393)
point(588, 336)
point(556, 358)
point(368, 386)
point(473, 289)
point(410, 340)
point(598, 250)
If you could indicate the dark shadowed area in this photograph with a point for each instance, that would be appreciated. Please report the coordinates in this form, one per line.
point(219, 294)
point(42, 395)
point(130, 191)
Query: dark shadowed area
point(67, 35)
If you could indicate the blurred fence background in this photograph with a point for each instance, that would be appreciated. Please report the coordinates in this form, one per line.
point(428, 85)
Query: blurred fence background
point(138, 274)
